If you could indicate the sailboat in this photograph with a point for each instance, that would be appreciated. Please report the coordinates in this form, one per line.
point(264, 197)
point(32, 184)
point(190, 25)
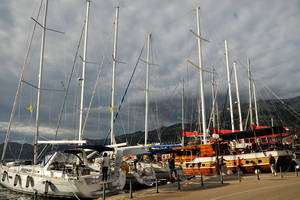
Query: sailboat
point(138, 163)
point(64, 172)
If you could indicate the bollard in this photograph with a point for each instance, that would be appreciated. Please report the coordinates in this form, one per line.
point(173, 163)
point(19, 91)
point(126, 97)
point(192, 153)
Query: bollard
point(281, 175)
point(221, 177)
point(201, 178)
point(257, 175)
point(296, 171)
point(178, 182)
point(103, 195)
point(156, 185)
point(35, 197)
point(239, 176)
point(130, 189)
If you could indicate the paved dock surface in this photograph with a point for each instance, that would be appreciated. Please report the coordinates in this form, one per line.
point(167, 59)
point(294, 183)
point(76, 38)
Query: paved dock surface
point(268, 187)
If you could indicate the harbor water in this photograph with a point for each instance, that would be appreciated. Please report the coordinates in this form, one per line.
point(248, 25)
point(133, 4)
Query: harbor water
point(11, 195)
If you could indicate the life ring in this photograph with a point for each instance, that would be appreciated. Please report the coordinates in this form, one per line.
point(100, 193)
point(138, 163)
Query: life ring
point(17, 179)
point(124, 167)
point(4, 176)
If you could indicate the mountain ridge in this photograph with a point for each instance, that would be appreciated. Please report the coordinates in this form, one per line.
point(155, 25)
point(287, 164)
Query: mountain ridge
point(172, 134)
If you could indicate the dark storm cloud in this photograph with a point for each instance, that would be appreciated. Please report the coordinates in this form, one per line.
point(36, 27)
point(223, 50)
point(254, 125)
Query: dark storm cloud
point(268, 34)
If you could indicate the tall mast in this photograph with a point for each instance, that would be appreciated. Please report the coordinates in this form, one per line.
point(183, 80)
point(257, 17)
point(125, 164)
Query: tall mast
point(255, 103)
point(250, 93)
point(201, 78)
point(272, 122)
point(229, 87)
point(147, 90)
point(83, 68)
point(199, 115)
point(238, 96)
point(112, 136)
point(182, 112)
point(36, 136)
point(213, 98)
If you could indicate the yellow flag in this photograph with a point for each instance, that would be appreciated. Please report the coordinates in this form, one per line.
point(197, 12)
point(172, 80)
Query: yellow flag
point(111, 109)
point(29, 108)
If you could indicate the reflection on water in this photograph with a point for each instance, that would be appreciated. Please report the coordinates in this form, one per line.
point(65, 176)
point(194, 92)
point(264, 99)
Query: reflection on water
point(8, 194)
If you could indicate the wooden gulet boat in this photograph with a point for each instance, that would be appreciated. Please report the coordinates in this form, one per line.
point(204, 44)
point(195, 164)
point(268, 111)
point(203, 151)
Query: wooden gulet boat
point(207, 165)
point(203, 158)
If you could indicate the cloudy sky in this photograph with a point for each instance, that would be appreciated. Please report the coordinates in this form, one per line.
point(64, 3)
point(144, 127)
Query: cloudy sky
point(265, 31)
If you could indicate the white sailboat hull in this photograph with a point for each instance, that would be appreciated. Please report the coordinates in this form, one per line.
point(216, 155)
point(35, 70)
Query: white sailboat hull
point(51, 183)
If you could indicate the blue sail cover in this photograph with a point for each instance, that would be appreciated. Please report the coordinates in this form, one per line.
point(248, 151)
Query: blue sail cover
point(98, 148)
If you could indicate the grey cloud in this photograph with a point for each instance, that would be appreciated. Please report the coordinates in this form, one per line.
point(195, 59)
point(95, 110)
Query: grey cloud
point(269, 35)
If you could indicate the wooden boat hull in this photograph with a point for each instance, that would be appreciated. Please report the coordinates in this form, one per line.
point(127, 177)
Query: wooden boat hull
point(249, 163)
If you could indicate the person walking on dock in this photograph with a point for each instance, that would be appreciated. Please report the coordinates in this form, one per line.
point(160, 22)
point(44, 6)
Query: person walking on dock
point(222, 165)
point(171, 162)
point(105, 166)
point(272, 162)
point(238, 164)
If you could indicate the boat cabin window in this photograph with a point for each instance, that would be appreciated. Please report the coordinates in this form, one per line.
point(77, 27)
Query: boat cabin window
point(180, 153)
point(195, 152)
point(62, 159)
point(46, 159)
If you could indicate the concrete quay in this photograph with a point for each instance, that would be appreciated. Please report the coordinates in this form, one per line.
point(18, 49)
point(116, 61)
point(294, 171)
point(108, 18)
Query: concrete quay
point(267, 187)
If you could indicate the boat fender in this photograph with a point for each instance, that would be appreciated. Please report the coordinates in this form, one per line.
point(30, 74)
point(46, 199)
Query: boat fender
point(29, 180)
point(17, 179)
point(47, 184)
point(4, 176)
point(124, 167)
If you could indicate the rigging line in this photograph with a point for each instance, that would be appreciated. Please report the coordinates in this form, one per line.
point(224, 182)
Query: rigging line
point(128, 121)
point(20, 102)
point(96, 84)
point(69, 82)
point(226, 99)
point(266, 112)
point(13, 154)
point(19, 86)
point(136, 123)
point(46, 89)
point(262, 111)
point(168, 100)
point(158, 131)
point(275, 111)
point(122, 125)
point(213, 110)
point(66, 93)
point(20, 152)
point(274, 108)
point(172, 110)
point(124, 95)
point(292, 110)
